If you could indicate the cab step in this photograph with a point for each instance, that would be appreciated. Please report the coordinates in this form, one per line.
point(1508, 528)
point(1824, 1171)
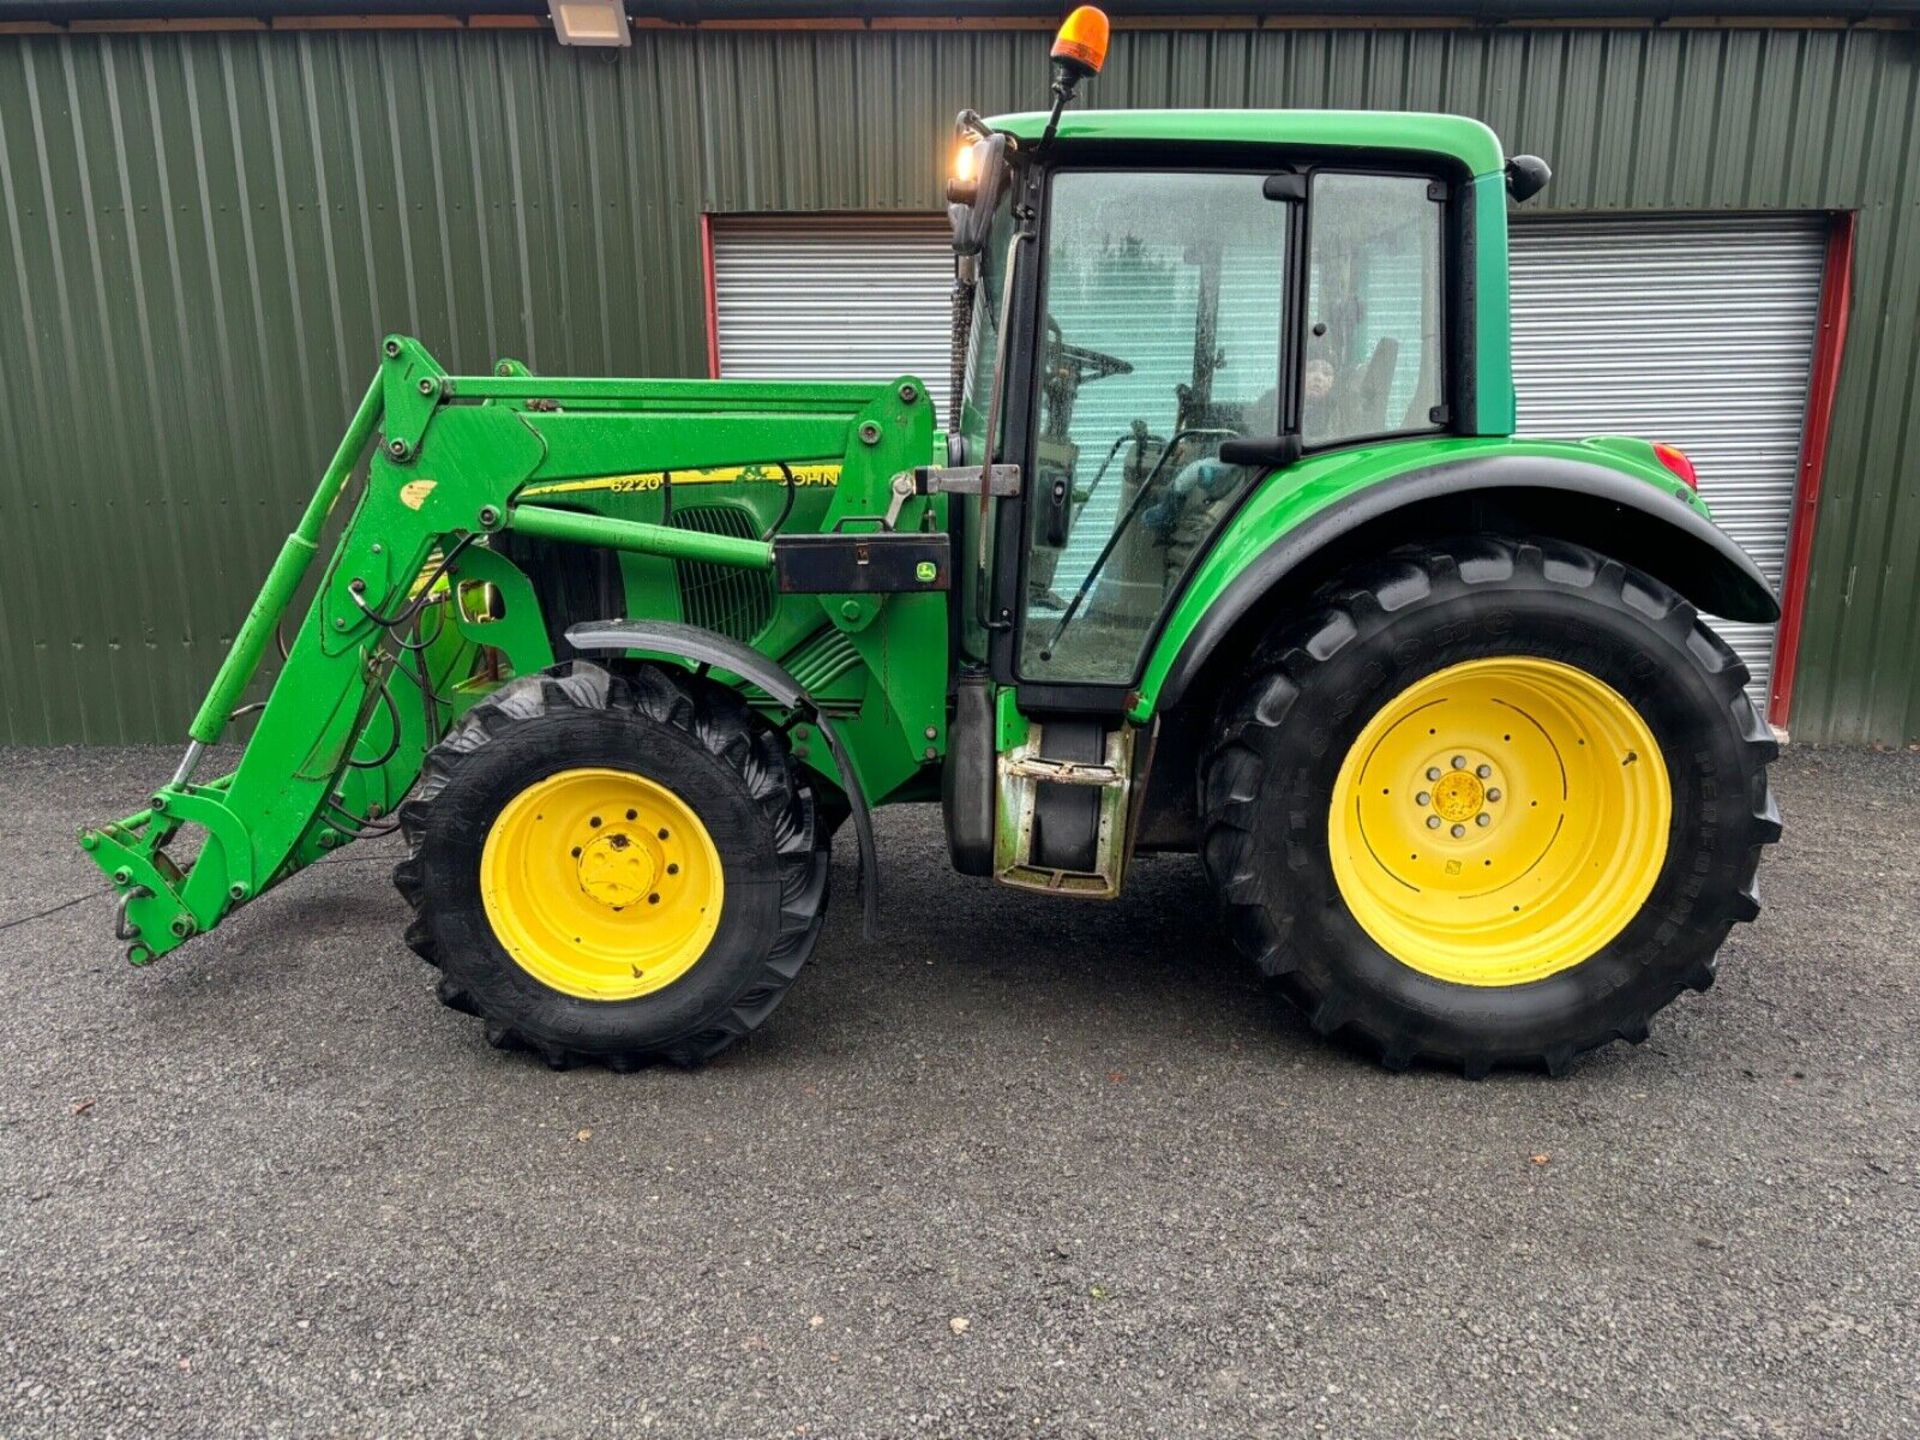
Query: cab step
point(1063, 804)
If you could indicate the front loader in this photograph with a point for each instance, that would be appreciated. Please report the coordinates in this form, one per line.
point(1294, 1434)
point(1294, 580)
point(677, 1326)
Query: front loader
point(1229, 548)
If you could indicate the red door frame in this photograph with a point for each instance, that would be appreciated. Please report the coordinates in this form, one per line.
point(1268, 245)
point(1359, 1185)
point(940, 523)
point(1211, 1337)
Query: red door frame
point(712, 294)
point(1830, 341)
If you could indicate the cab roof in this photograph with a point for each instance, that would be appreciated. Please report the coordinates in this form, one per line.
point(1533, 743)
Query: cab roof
point(1454, 136)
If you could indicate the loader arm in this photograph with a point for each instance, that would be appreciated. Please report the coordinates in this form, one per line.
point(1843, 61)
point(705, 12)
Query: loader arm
point(415, 615)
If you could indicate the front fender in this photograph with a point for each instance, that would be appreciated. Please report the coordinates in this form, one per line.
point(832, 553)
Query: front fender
point(1334, 509)
point(697, 646)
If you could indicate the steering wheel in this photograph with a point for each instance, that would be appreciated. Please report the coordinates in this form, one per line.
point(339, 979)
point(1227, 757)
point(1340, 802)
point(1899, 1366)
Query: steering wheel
point(1093, 364)
point(1086, 364)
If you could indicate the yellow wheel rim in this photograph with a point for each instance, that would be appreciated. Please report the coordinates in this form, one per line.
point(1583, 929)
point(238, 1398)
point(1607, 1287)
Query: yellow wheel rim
point(601, 884)
point(1500, 821)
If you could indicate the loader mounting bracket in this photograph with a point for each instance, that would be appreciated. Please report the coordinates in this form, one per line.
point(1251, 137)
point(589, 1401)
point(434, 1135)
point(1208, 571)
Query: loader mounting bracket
point(880, 563)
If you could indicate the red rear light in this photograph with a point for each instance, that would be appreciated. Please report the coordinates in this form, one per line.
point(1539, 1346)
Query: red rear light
point(1678, 464)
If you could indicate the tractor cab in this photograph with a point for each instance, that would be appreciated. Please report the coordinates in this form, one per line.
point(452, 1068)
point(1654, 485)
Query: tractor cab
point(1166, 314)
point(1173, 316)
point(1197, 300)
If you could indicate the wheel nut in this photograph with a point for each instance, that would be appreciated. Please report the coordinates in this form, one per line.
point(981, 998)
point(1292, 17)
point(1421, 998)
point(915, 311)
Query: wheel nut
point(1483, 818)
point(1433, 822)
point(1458, 831)
point(1483, 771)
point(1493, 794)
point(1433, 772)
point(1459, 762)
point(1423, 798)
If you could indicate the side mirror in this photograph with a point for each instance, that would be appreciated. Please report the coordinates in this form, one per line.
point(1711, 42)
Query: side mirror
point(1527, 176)
point(980, 172)
point(1262, 452)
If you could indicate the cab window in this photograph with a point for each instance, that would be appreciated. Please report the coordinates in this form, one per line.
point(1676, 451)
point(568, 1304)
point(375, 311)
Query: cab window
point(1371, 361)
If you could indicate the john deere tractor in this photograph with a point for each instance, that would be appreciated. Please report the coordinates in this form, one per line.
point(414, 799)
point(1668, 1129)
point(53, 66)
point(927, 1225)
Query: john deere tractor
point(1229, 548)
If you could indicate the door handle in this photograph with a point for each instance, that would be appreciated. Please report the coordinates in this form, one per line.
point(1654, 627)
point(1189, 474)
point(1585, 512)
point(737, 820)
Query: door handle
point(1059, 512)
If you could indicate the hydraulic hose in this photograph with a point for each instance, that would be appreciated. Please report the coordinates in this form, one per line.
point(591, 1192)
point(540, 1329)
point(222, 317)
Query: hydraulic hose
point(964, 287)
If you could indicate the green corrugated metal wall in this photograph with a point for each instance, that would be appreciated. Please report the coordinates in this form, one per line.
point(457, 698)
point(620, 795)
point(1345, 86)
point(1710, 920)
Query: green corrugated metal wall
point(206, 234)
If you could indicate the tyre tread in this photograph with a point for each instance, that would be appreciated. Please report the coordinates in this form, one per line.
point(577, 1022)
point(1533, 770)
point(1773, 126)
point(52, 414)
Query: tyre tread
point(1236, 768)
point(726, 728)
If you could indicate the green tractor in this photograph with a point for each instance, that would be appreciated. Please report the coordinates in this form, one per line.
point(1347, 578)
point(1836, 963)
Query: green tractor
point(1229, 549)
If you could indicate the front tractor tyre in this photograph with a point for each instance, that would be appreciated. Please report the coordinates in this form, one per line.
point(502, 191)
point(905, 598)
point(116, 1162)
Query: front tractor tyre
point(1489, 803)
point(608, 866)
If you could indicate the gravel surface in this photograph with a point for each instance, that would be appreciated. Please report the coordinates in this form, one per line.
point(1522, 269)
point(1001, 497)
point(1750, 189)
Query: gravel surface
point(1020, 1168)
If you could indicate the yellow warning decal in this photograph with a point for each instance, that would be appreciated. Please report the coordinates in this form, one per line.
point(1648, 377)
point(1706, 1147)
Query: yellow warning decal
point(809, 473)
point(414, 493)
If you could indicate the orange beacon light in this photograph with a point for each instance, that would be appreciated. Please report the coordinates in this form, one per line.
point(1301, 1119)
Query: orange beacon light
point(1081, 43)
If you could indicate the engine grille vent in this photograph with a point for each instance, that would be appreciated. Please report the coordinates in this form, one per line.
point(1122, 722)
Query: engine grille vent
point(736, 603)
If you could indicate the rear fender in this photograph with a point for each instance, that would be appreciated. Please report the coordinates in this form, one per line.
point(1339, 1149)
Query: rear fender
point(1300, 529)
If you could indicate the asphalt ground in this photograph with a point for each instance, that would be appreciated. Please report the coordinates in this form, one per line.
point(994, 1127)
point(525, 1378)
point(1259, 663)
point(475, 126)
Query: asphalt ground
point(1019, 1168)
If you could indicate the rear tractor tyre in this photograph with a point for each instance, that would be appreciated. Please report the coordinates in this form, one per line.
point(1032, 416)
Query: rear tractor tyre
point(1488, 803)
point(619, 867)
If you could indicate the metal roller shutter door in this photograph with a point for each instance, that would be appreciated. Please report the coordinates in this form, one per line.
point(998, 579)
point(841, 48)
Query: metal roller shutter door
point(1695, 331)
point(831, 297)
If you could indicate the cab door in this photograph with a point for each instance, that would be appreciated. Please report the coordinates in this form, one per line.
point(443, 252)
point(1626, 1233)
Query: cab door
point(1196, 332)
point(1161, 333)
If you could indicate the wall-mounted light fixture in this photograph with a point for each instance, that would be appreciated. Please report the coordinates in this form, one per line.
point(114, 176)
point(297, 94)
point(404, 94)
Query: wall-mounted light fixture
point(590, 22)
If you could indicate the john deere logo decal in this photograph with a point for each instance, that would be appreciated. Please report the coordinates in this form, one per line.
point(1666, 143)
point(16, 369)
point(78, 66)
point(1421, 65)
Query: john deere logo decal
point(926, 572)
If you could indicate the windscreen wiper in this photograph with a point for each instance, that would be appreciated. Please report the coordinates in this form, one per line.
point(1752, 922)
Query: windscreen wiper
point(1106, 550)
